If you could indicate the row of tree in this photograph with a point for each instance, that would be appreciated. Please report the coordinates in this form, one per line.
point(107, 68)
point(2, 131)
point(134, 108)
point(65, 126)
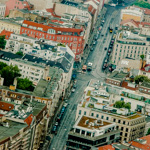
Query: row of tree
point(9, 73)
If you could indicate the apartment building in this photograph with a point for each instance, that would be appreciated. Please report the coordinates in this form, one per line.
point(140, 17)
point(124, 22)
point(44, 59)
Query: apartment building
point(132, 13)
point(10, 25)
point(72, 37)
point(17, 4)
point(90, 132)
point(2, 10)
point(131, 124)
point(129, 44)
point(24, 126)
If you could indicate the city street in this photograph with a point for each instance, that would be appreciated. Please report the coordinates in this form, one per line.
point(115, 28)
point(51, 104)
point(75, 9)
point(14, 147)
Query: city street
point(96, 57)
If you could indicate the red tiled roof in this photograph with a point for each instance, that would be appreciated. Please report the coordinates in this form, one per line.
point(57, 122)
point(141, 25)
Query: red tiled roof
point(51, 10)
point(142, 146)
point(6, 33)
point(58, 21)
point(88, 99)
point(147, 11)
point(147, 65)
point(136, 23)
point(28, 120)
point(6, 106)
point(106, 147)
point(125, 85)
point(46, 27)
point(91, 9)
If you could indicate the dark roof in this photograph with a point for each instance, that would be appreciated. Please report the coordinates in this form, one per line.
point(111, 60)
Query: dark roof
point(62, 63)
point(8, 55)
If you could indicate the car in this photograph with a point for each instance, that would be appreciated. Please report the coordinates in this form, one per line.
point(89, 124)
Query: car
point(54, 129)
point(94, 42)
point(65, 104)
point(73, 90)
point(56, 123)
point(105, 60)
point(63, 109)
point(109, 51)
point(102, 34)
point(66, 101)
point(105, 48)
point(91, 49)
point(108, 54)
point(74, 86)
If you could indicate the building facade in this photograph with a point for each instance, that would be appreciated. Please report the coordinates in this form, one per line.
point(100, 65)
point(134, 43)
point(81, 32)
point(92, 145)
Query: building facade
point(89, 132)
point(74, 38)
point(2, 10)
point(129, 45)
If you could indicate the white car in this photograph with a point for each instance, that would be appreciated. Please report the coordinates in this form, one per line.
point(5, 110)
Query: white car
point(113, 5)
point(73, 90)
point(90, 64)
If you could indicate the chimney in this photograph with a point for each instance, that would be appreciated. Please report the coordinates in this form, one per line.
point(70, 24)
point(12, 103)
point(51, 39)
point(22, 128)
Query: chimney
point(1, 81)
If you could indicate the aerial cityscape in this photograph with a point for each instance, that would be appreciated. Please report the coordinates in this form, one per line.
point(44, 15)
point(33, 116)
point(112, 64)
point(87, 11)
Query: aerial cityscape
point(74, 74)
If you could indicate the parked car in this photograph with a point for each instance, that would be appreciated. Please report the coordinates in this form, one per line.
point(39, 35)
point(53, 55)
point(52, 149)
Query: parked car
point(91, 49)
point(94, 42)
point(105, 48)
point(73, 90)
point(89, 66)
point(56, 123)
point(54, 129)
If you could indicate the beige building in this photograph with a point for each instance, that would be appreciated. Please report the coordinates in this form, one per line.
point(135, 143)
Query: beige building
point(132, 13)
point(128, 44)
point(131, 126)
point(10, 25)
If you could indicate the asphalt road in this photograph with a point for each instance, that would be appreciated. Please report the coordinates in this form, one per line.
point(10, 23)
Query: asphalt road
point(96, 57)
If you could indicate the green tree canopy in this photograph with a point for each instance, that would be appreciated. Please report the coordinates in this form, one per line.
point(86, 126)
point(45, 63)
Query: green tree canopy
point(2, 42)
point(122, 104)
point(9, 73)
point(25, 84)
point(142, 56)
point(141, 78)
point(20, 53)
point(141, 3)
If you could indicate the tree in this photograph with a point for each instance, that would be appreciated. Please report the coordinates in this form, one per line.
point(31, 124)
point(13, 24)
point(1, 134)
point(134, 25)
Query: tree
point(2, 65)
point(142, 57)
point(2, 42)
point(127, 105)
point(20, 53)
point(119, 104)
point(148, 132)
point(25, 84)
point(9, 73)
point(141, 78)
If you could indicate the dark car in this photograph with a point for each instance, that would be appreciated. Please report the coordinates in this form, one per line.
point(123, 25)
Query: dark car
point(63, 109)
point(105, 48)
point(54, 129)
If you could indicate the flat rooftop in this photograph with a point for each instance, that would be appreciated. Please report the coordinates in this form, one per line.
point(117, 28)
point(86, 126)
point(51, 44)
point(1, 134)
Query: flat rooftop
point(92, 123)
point(118, 75)
point(11, 130)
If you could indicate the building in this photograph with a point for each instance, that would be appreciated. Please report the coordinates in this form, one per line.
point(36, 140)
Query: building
point(144, 27)
point(72, 37)
point(25, 125)
point(139, 143)
point(10, 25)
point(129, 44)
point(132, 13)
point(89, 132)
point(128, 123)
point(17, 4)
point(2, 10)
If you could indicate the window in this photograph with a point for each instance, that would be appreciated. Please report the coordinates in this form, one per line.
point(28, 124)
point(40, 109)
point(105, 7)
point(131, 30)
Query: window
point(114, 120)
point(107, 118)
point(124, 122)
point(118, 121)
point(121, 128)
point(84, 112)
point(97, 115)
point(92, 114)
point(79, 112)
point(102, 117)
